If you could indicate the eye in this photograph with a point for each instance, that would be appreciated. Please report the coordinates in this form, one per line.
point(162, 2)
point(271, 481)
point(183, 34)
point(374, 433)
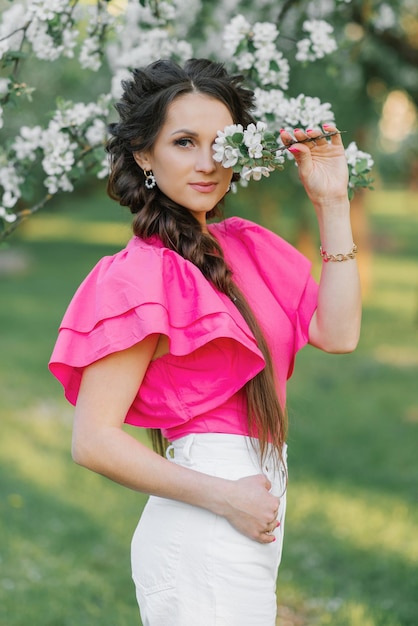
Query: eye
point(184, 142)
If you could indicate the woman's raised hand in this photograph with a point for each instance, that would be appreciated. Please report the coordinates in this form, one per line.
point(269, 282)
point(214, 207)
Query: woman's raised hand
point(252, 509)
point(322, 163)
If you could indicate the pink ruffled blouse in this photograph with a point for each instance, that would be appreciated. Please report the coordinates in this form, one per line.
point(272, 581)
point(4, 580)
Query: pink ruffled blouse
point(147, 288)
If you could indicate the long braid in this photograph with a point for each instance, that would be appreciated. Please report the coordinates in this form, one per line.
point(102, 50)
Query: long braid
point(180, 231)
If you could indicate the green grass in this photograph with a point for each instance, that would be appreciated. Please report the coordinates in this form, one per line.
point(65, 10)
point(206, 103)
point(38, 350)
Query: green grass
point(351, 546)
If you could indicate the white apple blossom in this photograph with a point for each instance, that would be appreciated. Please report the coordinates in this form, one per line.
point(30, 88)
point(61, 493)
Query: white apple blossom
point(235, 32)
point(318, 44)
point(104, 167)
point(307, 112)
point(245, 61)
point(354, 156)
point(27, 143)
point(45, 10)
point(256, 172)
point(50, 29)
point(12, 21)
point(90, 57)
point(58, 183)
point(227, 155)
point(264, 33)
point(253, 138)
point(7, 217)
point(267, 60)
point(10, 181)
point(96, 134)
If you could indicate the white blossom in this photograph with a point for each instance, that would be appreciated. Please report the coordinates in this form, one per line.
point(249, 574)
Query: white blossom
point(319, 42)
point(245, 61)
point(255, 173)
point(354, 156)
point(50, 29)
point(58, 150)
point(27, 142)
point(253, 138)
point(266, 61)
point(96, 134)
point(7, 217)
point(264, 33)
point(120, 75)
point(57, 183)
point(10, 180)
point(90, 57)
point(227, 155)
point(236, 31)
point(307, 111)
point(105, 167)
point(12, 20)
point(45, 10)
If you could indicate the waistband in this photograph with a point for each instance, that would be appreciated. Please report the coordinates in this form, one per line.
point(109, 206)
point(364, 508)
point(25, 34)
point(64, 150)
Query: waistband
point(220, 447)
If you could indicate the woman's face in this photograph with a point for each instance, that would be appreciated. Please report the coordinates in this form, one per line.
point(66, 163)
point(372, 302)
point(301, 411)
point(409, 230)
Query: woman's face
point(182, 156)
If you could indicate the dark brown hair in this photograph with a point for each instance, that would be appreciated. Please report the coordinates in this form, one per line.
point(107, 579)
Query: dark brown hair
point(142, 111)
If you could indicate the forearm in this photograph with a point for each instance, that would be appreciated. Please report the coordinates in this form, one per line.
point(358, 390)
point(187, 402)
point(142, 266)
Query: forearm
point(336, 323)
point(112, 452)
point(246, 503)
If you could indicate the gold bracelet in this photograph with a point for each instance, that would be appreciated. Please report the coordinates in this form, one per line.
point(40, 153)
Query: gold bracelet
point(338, 257)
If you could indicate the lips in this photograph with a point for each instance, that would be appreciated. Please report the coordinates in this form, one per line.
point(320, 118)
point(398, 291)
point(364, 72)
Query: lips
point(203, 187)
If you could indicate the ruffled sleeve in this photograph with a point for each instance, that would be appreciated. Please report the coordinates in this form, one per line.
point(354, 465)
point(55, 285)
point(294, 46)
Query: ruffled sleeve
point(276, 280)
point(146, 289)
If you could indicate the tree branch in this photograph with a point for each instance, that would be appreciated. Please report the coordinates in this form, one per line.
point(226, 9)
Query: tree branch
point(287, 5)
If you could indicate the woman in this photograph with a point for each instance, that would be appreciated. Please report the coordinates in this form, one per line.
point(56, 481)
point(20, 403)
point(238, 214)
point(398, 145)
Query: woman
point(192, 331)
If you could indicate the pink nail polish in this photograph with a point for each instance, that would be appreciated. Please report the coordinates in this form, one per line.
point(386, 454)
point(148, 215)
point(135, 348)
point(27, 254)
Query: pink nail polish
point(294, 150)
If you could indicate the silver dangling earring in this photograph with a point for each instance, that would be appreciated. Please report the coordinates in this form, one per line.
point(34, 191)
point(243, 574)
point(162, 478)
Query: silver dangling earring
point(150, 181)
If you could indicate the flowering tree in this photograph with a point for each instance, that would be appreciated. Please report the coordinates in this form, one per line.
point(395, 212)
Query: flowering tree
point(267, 43)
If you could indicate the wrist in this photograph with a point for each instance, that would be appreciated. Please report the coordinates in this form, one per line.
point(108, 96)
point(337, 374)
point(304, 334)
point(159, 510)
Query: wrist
point(327, 207)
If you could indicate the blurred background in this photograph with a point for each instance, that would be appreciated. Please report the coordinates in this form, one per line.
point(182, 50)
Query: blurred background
point(351, 551)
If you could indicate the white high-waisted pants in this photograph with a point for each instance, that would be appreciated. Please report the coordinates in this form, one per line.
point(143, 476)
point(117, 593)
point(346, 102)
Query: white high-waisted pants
point(190, 566)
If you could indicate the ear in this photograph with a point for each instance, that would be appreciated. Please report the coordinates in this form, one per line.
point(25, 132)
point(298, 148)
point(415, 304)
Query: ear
point(143, 160)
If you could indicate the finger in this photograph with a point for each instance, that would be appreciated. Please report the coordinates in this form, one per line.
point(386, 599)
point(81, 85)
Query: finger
point(272, 527)
point(335, 139)
point(317, 135)
point(286, 137)
point(267, 538)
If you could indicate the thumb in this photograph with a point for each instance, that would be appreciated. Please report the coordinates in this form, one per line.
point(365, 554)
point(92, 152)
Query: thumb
point(266, 482)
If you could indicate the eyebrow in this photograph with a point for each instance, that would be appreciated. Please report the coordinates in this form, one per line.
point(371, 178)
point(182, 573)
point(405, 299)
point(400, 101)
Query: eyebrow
point(185, 131)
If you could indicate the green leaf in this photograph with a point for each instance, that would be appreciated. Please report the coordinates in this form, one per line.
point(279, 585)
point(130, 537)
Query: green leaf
point(269, 137)
point(237, 137)
point(362, 166)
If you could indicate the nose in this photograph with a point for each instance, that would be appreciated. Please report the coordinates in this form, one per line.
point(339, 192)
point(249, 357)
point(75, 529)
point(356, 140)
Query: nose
point(205, 161)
